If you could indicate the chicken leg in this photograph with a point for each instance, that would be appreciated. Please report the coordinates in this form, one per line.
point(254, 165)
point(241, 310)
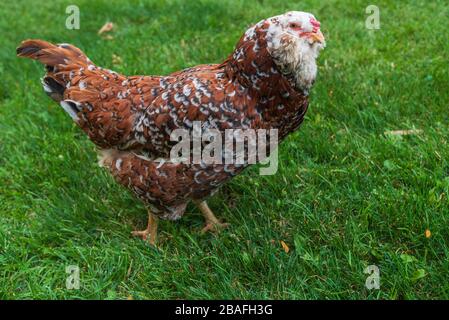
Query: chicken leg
point(150, 230)
point(212, 223)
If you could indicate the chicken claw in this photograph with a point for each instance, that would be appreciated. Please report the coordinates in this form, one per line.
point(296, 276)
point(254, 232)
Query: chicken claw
point(214, 226)
point(150, 231)
point(212, 223)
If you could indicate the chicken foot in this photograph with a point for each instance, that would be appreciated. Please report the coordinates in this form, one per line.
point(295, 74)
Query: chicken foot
point(151, 229)
point(212, 223)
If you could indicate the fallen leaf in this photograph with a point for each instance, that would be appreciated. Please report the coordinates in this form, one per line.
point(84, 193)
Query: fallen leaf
point(108, 26)
point(403, 132)
point(116, 59)
point(406, 258)
point(285, 246)
point(418, 274)
point(427, 233)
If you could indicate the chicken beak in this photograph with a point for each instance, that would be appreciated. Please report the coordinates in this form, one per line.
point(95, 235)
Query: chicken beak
point(317, 37)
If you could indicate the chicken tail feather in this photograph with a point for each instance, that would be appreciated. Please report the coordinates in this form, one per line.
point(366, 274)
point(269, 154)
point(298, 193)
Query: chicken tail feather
point(59, 61)
point(50, 54)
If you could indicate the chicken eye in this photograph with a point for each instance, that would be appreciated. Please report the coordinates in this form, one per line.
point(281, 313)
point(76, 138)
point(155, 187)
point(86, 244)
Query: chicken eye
point(294, 25)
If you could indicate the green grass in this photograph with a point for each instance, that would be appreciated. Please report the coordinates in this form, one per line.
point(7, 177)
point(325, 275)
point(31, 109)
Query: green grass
point(346, 195)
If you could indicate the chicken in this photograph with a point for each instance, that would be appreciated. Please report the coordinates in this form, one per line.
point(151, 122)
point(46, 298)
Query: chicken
point(263, 84)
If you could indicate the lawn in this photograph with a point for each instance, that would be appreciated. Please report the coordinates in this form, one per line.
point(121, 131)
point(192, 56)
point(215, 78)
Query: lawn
point(347, 194)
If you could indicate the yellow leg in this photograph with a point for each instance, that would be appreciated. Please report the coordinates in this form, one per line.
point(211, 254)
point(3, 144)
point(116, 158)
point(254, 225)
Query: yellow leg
point(212, 223)
point(150, 230)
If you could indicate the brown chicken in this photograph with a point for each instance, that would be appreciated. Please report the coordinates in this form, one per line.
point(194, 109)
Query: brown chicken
point(263, 84)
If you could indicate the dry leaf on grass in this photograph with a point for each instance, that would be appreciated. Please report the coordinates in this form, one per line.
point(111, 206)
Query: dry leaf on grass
point(285, 246)
point(117, 60)
point(108, 26)
point(404, 132)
